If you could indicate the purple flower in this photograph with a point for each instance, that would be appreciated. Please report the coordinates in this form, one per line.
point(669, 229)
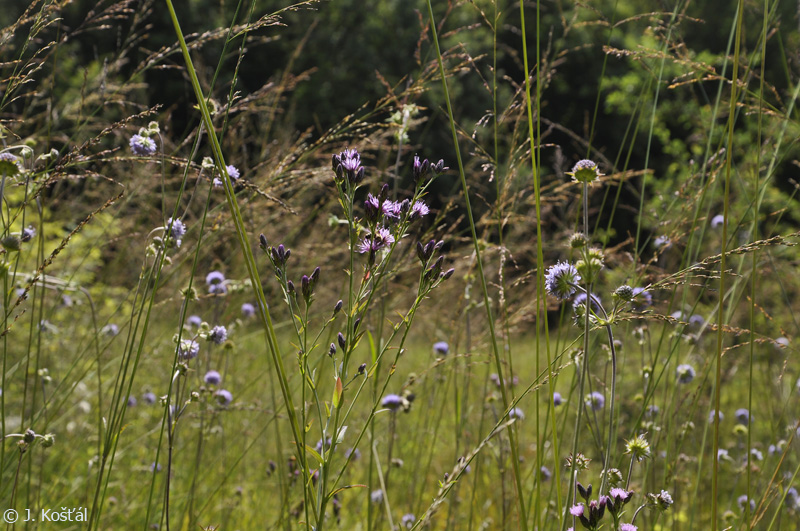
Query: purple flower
point(712, 415)
point(628, 527)
point(376, 241)
point(561, 279)
point(595, 401)
point(233, 171)
point(224, 397)
point(686, 373)
point(218, 335)
point(418, 210)
point(580, 300)
point(28, 233)
point(376, 496)
point(742, 416)
point(215, 281)
point(545, 473)
point(408, 520)
point(248, 310)
point(392, 402)
point(132, 401)
point(391, 209)
point(577, 510)
point(516, 413)
point(142, 145)
point(212, 378)
point(176, 228)
point(696, 321)
point(743, 499)
point(557, 399)
point(9, 163)
point(643, 297)
point(717, 221)
point(110, 329)
point(441, 348)
point(347, 164)
point(188, 349)
point(149, 398)
point(194, 320)
point(585, 171)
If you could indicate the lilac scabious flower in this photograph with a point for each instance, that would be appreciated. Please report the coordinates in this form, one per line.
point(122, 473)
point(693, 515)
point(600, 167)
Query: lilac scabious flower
point(176, 228)
point(743, 499)
point(628, 527)
point(142, 145)
point(662, 242)
point(218, 335)
point(233, 171)
point(557, 399)
point(516, 413)
point(653, 410)
point(742, 416)
point(248, 310)
point(561, 279)
point(9, 163)
point(392, 402)
point(194, 320)
point(441, 348)
point(376, 496)
point(28, 233)
point(212, 378)
point(149, 398)
point(717, 221)
point(188, 349)
point(347, 164)
point(224, 397)
point(132, 401)
point(217, 182)
point(686, 373)
point(585, 171)
point(595, 401)
point(696, 321)
point(643, 297)
point(712, 415)
point(418, 210)
point(408, 520)
point(215, 281)
point(757, 454)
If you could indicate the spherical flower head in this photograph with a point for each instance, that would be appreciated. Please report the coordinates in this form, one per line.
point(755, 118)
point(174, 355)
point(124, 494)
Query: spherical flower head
point(218, 335)
point(516, 413)
point(643, 298)
point(717, 221)
point(579, 304)
point(408, 520)
point(743, 499)
point(142, 146)
point(392, 401)
point(248, 310)
point(577, 510)
point(662, 242)
point(223, 396)
point(418, 210)
point(110, 329)
point(441, 348)
point(638, 448)
point(176, 228)
point(585, 171)
point(757, 454)
point(194, 321)
point(685, 373)
point(628, 527)
point(712, 415)
point(9, 164)
point(664, 500)
point(149, 398)
point(578, 241)
point(233, 171)
point(557, 399)
point(376, 496)
point(595, 401)
point(27, 233)
point(696, 321)
point(188, 349)
point(561, 279)
point(132, 401)
point(742, 416)
point(620, 495)
point(212, 378)
point(214, 278)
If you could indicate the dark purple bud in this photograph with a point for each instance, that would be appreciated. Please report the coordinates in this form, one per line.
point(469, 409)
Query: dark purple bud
point(429, 248)
point(332, 350)
point(342, 342)
point(338, 307)
point(420, 252)
point(262, 240)
point(438, 245)
point(315, 275)
point(439, 167)
point(335, 162)
point(305, 283)
point(420, 168)
point(449, 273)
point(384, 193)
point(362, 368)
point(355, 324)
point(359, 176)
point(290, 286)
point(585, 492)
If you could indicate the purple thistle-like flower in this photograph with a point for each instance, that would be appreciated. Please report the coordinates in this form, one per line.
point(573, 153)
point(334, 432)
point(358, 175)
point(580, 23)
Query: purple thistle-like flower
point(176, 228)
point(214, 278)
point(392, 402)
point(188, 349)
point(686, 373)
point(628, 527)
point(560, 280)
point(418, 210)
point(212, 378)
point(348, 164)
point(619, 494)
point(696, 321)
point(132, 401)
point(376, 496)
point(372, 207)
point(712, 415)
point(595, 401)
point(743, 499)
point(391, 209)
point(441, 348)
point(224, 397)
point(142, 145)
point(376, 241)
point(9, 163)
point(248, 310)
point(577, 510)
point(545, 473)
point(585, 171)
point(218, 335)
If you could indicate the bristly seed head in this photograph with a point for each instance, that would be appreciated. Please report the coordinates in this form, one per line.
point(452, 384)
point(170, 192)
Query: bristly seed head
point(638, 448)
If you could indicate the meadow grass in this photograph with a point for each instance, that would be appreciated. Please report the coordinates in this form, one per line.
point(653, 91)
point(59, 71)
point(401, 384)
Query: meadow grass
point(464, 305)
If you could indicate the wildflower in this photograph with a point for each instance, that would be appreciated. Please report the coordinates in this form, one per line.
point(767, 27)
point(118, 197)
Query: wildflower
point(757, 454)
point(516, 413)
point(696, 321)
point(712, 414)
point(581, 461)
point(188, 349)
point(577, 510)
point(142, 145)
point(418, 210)
point(110, 329)
point(686, 373)
point(620, 496)
point(132, 401)
point(628, 527)
point(149, 398)
point(545, 473)
point(662, 242)
point(742, 416)
point(176, 228)
point(218, 335)
point(212, 378)
point(233, 172)
point(561, 279)
point(215, 281)
point(557, 399)
point(376, 241)
point(441, 348)
point(194, 320)
point(723, 455)
point(391, 209)
point(664, 500)
point(717, 220)
point(638, 448)
point(653, 410)
point(596, 401)
point(347, 164)
point(644, 298)
point(743, 499)
point(782, 342)
point(354, 452)
point(578, 241)
point(420, 168)
point(624, 293)
point(392, 402)
point(9, 164)
point(248, 310)
point(224, 397)
point(28, 233)
point(408, 520)
point(613, 476)
point(585, 171)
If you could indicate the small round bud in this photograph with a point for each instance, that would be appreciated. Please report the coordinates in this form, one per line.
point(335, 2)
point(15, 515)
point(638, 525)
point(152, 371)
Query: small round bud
point(578, 241)
point(48, 440)
point(29, 436)
point(338, 307)
point(624, 293)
